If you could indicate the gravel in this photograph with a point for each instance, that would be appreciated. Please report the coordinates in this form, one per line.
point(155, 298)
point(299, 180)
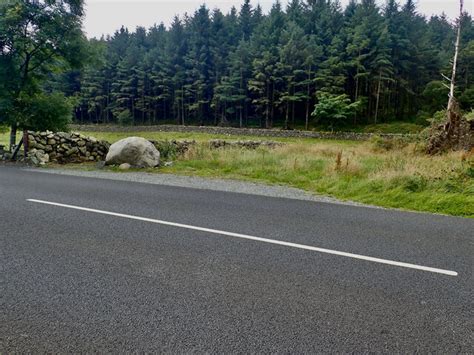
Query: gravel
point(225, 185)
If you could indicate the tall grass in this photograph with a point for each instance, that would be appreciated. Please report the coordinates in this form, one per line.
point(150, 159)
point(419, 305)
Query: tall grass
point(402, 178)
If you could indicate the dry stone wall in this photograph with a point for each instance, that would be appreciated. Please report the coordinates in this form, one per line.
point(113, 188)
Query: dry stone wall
point(230, 131)
point(65, 147)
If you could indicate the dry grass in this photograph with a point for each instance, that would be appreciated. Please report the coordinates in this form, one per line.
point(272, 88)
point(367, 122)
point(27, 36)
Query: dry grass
point(402, 177)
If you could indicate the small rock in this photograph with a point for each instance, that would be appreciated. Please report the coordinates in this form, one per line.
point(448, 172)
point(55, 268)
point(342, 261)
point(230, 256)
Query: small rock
point(125, 166)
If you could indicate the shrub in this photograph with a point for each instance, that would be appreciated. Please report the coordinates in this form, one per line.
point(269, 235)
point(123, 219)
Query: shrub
point(167, 149)
point(125, 118)
point(466, 100)
point(387, 144)
point(334, 110)
point(469, 116)
point(438, 117)
point(44, 112)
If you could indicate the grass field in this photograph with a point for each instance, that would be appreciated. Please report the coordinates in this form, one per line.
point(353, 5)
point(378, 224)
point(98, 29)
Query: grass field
point(390, 175)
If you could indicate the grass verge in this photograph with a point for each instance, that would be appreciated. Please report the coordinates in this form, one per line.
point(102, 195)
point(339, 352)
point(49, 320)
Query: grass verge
point(387, 175)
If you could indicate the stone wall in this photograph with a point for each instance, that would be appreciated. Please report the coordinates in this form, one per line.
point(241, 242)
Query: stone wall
point(64, 148)
point(257, 132)
point(220, 143)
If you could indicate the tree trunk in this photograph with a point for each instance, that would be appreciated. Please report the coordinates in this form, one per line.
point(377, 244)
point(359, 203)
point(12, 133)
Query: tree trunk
point(183, 113)
point(25, 143)
point(241, 118)
point(378, 98)
point(451, 102)
point(13, 136)
point(293, 114)
point(306, 124)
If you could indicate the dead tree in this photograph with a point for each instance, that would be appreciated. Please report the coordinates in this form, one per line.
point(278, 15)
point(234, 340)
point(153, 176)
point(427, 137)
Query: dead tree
point(451, 102)
point(456, 133)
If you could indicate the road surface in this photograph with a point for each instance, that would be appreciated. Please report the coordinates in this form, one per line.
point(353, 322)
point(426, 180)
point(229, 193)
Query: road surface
point(102, 265)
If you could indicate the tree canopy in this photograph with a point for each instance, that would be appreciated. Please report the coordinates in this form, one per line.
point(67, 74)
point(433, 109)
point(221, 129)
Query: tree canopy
point(38, 41)
point(247, 68)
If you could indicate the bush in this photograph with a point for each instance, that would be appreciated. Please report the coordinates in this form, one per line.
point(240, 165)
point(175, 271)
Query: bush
point(387, 144)
point(167, 149)
point(469, 117)
point(435, 96)
point(466, 100)
point(334, 110)
point(125, 118)
point(44, 112)
point(438, 117)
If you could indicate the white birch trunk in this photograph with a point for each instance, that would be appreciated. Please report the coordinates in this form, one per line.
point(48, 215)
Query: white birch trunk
point(455, 60)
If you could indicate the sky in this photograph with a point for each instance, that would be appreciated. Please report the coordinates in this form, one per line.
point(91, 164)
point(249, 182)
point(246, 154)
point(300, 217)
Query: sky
point(106, 16)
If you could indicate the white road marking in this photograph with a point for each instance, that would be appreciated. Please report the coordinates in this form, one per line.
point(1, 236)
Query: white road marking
point(258, 239)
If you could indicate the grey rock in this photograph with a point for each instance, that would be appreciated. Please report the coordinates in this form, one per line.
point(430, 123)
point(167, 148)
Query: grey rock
point(38, 157)
point(135, 151)
point(72, 151)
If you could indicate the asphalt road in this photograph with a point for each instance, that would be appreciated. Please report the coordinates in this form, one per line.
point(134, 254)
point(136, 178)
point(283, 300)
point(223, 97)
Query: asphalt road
point(75, 280)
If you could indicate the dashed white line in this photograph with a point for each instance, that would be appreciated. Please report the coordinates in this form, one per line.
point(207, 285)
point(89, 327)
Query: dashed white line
point(258, 239)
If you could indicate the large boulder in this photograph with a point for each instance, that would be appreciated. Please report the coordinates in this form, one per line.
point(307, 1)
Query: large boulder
point(135, 151)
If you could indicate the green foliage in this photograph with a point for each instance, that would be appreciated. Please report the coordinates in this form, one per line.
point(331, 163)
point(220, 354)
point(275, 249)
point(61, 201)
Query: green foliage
point(124, 118)
point(167, 149)
point(435, 96)
point(38, 40)
point(335, 110)
point(393, 127)
point(469, 116)
point(387, 144)
point(243, 68)
point(44, 112)
point(438, 117)
point(466, 100)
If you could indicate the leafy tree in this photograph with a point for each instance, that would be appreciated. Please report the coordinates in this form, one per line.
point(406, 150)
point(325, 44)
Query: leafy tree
point(36, 38)
point(434, 96)
point(43, 111)
point(334, 110)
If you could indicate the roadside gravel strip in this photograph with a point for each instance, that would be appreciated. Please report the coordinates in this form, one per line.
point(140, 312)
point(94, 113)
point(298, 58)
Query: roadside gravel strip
point(225, 185)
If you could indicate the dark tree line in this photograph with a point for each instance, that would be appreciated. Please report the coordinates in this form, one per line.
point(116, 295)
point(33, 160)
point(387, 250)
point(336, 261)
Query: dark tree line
point(248, 68)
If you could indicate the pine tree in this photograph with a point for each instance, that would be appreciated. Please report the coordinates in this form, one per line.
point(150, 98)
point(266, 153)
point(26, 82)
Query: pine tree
point(229, 69)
